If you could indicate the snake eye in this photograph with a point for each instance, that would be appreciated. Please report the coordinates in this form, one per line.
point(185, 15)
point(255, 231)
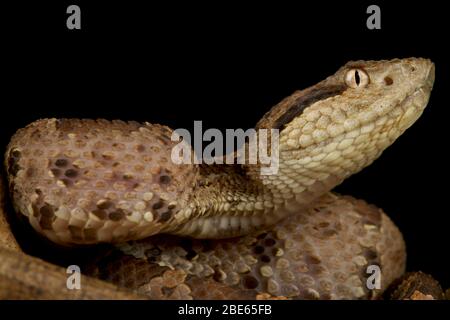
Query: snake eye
point(356, 78)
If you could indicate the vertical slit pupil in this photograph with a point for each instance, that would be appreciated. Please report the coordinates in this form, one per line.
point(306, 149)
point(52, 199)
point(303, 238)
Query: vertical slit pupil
point(357, 78)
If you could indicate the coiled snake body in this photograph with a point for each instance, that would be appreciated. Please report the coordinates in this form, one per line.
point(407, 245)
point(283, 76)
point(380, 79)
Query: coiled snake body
point(89, 181)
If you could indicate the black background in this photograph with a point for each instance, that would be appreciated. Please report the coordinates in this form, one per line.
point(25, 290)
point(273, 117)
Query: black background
point(226, 64)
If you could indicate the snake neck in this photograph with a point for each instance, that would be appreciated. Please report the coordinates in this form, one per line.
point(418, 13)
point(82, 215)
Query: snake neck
point(229, 200)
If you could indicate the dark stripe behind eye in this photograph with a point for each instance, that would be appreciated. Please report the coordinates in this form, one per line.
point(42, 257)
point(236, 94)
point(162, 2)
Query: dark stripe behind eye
point(305, 101)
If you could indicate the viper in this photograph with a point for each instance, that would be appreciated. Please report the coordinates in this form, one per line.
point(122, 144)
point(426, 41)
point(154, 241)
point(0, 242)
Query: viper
point(229, 231)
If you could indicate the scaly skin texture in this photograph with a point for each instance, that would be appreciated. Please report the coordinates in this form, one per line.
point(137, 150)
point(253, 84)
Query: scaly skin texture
point(416, 286)
point(322, 253)
point(86, 181)
point(7, 239)
point(26, 277)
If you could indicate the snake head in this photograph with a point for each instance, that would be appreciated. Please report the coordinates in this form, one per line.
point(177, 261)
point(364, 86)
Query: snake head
point(342, 124)
point(398, 90)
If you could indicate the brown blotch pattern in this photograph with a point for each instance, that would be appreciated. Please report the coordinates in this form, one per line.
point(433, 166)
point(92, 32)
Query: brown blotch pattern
point(61, 163)
point(116, 215)
point(64, 171)
point(78, 164)
point(13, 162)
point(300, 258)
point(101, 214)
point(250, 282)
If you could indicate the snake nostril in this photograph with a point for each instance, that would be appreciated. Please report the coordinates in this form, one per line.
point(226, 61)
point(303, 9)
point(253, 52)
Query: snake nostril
point(388, 81)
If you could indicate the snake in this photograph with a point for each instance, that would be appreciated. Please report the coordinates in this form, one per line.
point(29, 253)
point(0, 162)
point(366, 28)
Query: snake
point(228, 231)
